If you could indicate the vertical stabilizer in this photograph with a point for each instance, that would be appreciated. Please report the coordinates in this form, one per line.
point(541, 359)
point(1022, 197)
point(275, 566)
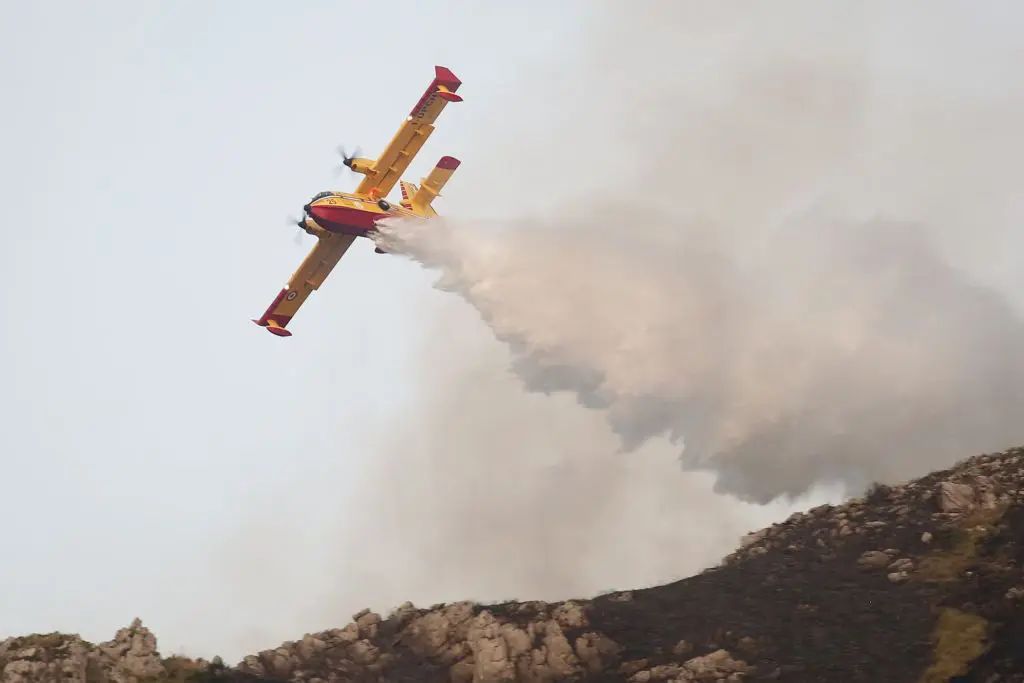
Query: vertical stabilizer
point(408, 192)
point(430, 187)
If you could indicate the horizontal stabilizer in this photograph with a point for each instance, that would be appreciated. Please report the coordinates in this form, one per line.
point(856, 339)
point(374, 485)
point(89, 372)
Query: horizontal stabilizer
point(431, 186)
point(274, 328)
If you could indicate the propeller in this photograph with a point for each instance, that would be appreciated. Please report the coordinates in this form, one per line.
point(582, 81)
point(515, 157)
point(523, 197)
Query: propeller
point(299, 223)
point(346, 158)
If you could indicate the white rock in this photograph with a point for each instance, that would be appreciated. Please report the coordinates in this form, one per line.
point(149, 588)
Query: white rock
point(904, 564)
point(23, 671)
point(717, 664)
point(134, 653)
point(349, 634)
point(518, 641)
point(560, 657)
point(665, 672)
point(955, 497)
point(441, 634)
point(753, 537)
point(570, 615)
point(490, 651)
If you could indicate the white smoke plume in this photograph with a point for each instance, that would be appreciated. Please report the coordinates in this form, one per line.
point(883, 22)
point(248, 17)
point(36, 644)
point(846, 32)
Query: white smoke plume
point(483, 491)
point(768, 280)
point(834, 351)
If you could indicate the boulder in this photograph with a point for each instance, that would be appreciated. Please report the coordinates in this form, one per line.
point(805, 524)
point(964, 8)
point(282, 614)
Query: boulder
point(363, 652)
point(753, 537)
point(570, 615)
point(437, 633)
point(873, 559)
point(367, 623)
point(491, 663)
point(715, 666)
point(135, 655)
point(898, 577)
point(560, 658)
point(597, 652)
point(904, 564)
point(954, 497)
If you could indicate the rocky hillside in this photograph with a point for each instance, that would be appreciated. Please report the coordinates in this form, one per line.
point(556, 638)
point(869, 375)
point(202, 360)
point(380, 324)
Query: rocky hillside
point(919, 582)
point(130, 657)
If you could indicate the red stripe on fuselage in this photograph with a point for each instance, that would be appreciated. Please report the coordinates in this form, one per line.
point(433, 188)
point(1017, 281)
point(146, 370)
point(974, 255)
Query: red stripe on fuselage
point(344, 219)
point(351, 221)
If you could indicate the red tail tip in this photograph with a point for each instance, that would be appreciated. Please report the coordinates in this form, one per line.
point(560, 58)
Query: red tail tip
point(273, 329)
point(448, 163)
point(446, 78)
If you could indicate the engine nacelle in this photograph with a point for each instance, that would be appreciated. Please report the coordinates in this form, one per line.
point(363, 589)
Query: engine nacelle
point(311, 227)
point(360, 165)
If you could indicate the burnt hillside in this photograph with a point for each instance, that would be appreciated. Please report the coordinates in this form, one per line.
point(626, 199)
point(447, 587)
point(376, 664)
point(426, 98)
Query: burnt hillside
point(918, 582)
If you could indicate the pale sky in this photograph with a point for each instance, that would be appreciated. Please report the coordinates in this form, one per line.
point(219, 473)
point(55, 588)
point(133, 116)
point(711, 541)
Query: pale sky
point(152, 153)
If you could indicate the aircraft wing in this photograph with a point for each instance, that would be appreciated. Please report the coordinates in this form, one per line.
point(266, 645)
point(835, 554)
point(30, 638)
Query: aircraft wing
point(415, 130)
point(314, 269)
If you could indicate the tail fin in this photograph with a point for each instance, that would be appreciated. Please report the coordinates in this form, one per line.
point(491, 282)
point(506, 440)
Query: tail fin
point(431, 186)
point(408, 192)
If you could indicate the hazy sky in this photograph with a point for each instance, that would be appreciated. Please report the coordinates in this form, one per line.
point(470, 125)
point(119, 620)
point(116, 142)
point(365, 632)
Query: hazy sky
point(162, 456)
point(152, 153)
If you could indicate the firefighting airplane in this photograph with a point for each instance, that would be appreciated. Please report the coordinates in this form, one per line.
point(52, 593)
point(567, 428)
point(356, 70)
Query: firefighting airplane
point(337, 218)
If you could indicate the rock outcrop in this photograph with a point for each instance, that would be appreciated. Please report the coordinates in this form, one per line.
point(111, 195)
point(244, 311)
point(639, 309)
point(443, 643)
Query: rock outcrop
point(918, 582)
point(131, 657)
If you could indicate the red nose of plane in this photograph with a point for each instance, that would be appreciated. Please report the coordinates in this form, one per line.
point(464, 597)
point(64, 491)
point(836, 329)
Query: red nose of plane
point(343, 218)
point(318, 213)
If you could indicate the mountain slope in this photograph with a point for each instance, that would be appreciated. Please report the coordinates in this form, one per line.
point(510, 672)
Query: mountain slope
point(919, 582)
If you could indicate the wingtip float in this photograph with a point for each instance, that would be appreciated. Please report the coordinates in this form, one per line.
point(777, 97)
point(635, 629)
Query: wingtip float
point(336, 219)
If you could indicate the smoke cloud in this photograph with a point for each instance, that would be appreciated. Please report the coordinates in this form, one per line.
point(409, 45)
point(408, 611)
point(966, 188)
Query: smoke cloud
point(778, 244)
point(837, 352)
point(779, 283)
point(483, 491)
